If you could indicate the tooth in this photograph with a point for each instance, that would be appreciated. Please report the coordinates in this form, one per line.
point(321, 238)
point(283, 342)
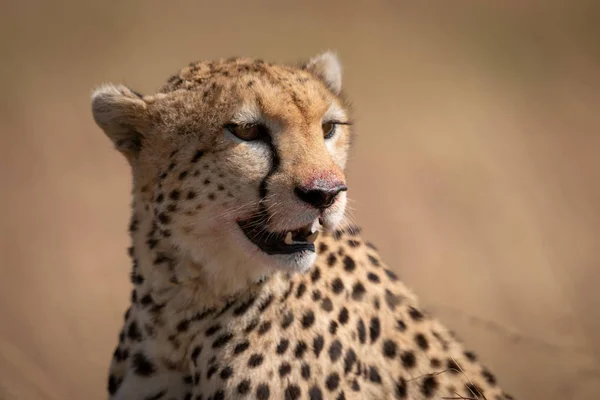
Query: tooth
point(288, 238)
point(312, 237)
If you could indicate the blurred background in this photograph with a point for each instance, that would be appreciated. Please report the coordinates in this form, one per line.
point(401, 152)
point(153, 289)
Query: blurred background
point(475, 169)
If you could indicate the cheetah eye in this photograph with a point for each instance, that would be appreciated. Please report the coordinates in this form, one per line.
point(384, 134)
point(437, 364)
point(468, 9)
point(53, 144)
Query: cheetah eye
point(328, 129)
point(247, 132)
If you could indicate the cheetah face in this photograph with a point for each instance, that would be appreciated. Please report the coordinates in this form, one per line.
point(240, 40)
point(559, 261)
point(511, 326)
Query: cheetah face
point(239, 164)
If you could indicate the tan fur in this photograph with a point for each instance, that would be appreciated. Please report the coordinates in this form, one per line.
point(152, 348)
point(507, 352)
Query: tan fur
point(210, 311)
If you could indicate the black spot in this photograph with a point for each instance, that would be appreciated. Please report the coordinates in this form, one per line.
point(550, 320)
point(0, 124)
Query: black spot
point(211, 196)
point(391, 299)
point(374, 329)
point(318, 344)
point(241, 347)
point(196, 378)
point(452, 366)
point(326, 304)
point(219, 395)
point(266, 303)
point(226, 373)
point(244, 386)
point(337, 285)
point(183, 325)
point(300, 291)
point(197, 156)
point(182, 175)
point(435, 363)
point(287, 292)
point(211, 371)
point(391, 274)
point(283, 346)
point(308, 319)
point(474, 390)
point(335, 350)
point(174, 195)
point(241, 310)
point(323, 247)
point(373, 277)
point(401, 390)
point(331, 259)
point(301, 348)
point(113, 385)
point(213, 329)
point(288, 319)
point(349, 264)
point(255, 360)
point(408, 359)
point(349, 360)
point(315, 393)
point(196, 353)
point(305, 371)
point(358, 291)
point(470, 356)
point(389, 348)
point(332, 382)
point(134, 331)
point(362, 331)
point(164, 218)
point(489, 377)
point(421, 341)
point(264, 328)
point(415, 314)
point(429, 386)
point(374, 375)
point(284, 369)
point(353, 243)
point(292, 392)
point(316, 295)
point(142, 365)
point(400, 325)
point(333, 325)
point(262, 391)
point(315, 274)
point(207, 181)
point(222, 340)
point(343, 316)
point(373, 260)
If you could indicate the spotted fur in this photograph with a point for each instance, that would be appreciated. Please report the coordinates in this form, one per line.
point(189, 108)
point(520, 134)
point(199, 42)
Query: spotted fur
point(213, 317)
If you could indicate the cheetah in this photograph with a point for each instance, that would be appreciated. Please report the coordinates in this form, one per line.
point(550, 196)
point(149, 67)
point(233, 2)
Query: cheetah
point(248, 280)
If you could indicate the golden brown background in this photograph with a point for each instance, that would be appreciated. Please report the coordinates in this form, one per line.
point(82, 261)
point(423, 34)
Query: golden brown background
point(475, 170)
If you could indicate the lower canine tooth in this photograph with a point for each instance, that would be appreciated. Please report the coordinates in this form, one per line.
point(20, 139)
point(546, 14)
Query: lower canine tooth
point(312, 237)
point(288, 238)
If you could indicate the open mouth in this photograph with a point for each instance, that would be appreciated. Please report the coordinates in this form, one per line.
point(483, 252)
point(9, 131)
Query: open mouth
point(287, 242)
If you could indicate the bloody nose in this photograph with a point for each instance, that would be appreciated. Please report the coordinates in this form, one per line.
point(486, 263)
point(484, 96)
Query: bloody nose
point(319, 197)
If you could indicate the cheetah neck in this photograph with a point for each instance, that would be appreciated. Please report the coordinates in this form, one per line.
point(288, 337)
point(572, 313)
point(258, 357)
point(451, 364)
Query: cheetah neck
point(163, 274)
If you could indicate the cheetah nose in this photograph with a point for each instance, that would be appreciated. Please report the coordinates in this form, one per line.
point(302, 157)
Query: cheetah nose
point(320, 197)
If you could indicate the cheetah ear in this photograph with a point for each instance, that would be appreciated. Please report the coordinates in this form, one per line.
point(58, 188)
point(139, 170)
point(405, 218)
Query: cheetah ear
point(328, 68)
point(122, 115)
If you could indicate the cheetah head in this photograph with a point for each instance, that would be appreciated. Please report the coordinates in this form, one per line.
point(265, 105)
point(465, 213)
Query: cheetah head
point(237, 164)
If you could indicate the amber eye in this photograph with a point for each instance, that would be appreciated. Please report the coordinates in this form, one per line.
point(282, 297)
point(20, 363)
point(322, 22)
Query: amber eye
point(246, 132)
point(328, 129)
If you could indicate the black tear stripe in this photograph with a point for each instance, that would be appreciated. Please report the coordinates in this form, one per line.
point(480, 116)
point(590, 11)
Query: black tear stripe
point(275, 162)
